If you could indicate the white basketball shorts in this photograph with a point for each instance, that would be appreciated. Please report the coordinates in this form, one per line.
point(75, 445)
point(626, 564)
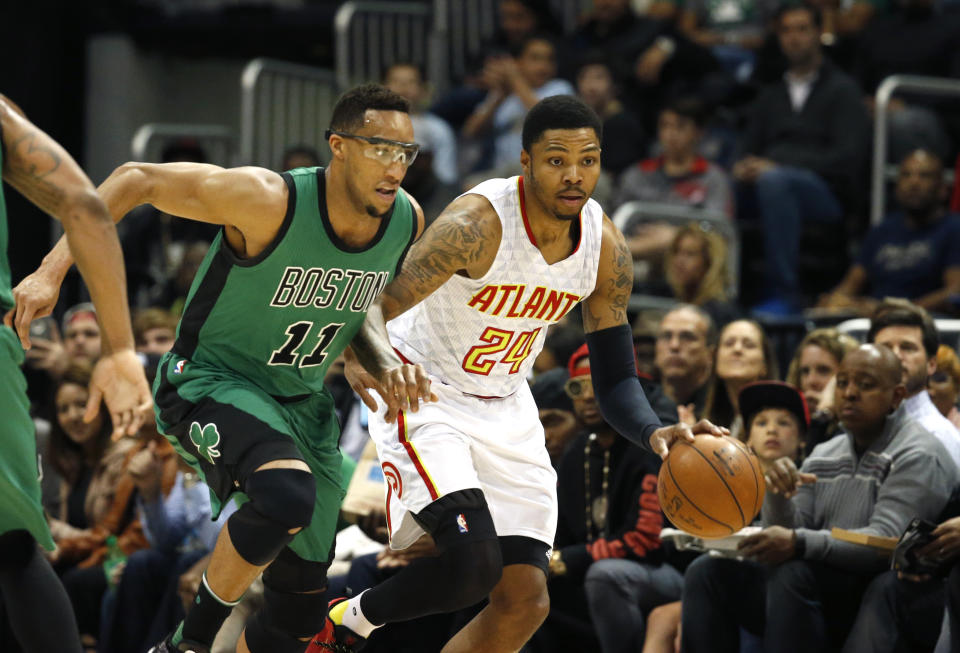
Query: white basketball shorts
point(463, 442)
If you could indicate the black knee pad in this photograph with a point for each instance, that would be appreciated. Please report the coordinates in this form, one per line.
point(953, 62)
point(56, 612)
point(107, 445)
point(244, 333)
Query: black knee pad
point(263, 637)
point(463, 529)
point(291, 573)
point(458, 517)
point(280, 500)
point(17, 548)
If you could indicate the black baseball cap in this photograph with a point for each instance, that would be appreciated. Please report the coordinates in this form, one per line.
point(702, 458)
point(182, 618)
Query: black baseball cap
point(760, 395)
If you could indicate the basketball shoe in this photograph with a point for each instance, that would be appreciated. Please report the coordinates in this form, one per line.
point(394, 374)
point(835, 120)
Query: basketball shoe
point(335, 636)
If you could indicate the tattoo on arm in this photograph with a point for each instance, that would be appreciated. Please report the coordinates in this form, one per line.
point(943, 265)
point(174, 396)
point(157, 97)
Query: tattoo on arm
point(612, 294)
point(29, 164)
point(458, 239)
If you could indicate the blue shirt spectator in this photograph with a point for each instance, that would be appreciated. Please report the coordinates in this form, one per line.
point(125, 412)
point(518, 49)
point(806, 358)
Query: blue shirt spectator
point(914, 254)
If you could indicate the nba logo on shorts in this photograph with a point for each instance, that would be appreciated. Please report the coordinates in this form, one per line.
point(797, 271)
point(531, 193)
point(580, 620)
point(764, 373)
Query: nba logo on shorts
point(462, 523)
point(178, 368)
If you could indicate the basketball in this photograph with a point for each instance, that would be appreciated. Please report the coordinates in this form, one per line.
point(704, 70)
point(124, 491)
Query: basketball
point(711, 488)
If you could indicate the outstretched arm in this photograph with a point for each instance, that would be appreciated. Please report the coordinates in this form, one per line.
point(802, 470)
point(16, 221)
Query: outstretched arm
point(45, 174)
point(463, 240)
point(250, 202)
point(612, 357)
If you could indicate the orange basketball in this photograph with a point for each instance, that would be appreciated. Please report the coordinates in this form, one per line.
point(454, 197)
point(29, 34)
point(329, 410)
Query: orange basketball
point(711, 488)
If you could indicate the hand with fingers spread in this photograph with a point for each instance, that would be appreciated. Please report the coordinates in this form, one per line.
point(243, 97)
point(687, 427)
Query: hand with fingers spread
point(770, 546)
point(118, 379)
point(403, 388)
point(360, 380)
point(784, 478)
point(34, 297)
point(666, 436)
point(946, 542)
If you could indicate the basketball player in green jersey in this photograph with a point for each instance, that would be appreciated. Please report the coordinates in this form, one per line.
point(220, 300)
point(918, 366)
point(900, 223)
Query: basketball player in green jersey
point(281, 292)
point(34, 164)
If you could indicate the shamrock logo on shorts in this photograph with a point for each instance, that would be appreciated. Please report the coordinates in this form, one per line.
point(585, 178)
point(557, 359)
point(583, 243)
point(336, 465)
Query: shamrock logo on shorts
point(206, 439)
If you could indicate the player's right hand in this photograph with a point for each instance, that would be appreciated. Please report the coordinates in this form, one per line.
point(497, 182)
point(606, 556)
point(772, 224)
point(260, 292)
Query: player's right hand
point(666, 436)
point(34, 297)
point(118, 379)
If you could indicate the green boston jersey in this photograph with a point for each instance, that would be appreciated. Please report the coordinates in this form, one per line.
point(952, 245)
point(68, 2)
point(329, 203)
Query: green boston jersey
point(6, 293)
point(281, 318)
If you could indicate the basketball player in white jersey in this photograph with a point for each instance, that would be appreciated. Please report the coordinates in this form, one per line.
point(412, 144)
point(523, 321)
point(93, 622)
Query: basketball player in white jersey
point(472, 305)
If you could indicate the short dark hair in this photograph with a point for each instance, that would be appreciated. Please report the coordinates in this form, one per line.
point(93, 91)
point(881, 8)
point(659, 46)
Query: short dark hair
point(799, 5)
point(349, 110)
point(901, 312)
point(558, 112)
point(712, 334)
point(690, 108)
point(521, 47)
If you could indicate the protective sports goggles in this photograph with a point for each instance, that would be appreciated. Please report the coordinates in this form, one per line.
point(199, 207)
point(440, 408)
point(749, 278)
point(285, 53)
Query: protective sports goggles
point(383, 150)
point(577, 386)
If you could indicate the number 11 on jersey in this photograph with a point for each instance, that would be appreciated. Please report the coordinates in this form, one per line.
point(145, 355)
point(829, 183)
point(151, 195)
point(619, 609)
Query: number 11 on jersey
point(296, 334)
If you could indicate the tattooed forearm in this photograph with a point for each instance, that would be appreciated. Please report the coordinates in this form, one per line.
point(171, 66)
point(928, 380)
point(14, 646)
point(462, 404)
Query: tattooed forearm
point(607, 305)
point(30, 161)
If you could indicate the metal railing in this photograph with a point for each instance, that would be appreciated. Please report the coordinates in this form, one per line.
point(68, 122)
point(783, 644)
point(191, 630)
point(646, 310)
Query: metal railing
point(682, 215)
point(460, 29)
point(948, 328)
point(218, 142)
point(370, 36)
point(282, 105)
point(910, 83)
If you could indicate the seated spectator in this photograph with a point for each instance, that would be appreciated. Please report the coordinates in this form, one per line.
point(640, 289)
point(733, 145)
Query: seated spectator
point(805, 142)
point(679, 175)
point(777, 419)
point(943, 386)
point(607, 543)
point(734, 31)
point(912, 39)
point(80, 345)
point(516, 83)
point(95, 499)
point(799, 586)
point(686, 346)
point(299, 156)
point(174, 509)
point(914, 253)
point(623, 140)
point(519, 19)
point(698, 272)
point(561, 341)
point(154, 243)
point(173, 293)
point(911, 333)
point(812, 370)
point(560, 424)
point(433, 176)
point(744, 355)
point(154, 331)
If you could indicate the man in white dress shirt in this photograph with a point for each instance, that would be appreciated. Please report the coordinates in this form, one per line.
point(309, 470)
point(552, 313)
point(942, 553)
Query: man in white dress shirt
point(911, 333)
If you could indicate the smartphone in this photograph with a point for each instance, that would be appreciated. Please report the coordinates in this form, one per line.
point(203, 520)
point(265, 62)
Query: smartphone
point(918, 533)
point(44, 328)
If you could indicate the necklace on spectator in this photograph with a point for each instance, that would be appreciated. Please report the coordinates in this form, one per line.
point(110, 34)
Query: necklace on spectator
point(596, 510)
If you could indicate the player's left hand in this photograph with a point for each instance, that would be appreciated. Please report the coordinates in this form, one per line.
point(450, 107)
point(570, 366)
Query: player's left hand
point(118, 379)
point(666, 436)
point(771, 546)
point(404, 387)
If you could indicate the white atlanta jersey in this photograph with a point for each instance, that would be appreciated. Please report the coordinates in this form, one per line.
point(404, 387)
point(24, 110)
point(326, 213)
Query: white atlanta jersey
point(481, 336)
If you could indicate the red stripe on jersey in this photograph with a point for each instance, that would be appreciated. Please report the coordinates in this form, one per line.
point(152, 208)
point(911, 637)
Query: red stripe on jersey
point(412, 453)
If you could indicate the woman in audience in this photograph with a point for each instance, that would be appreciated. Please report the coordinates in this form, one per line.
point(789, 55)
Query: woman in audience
point(95, 499)
point(697, 269)
point(944, 384)
point(812, 369)
point(744, 355)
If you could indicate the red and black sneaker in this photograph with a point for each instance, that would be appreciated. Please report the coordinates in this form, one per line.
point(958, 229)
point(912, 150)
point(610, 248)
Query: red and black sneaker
point(336, 637)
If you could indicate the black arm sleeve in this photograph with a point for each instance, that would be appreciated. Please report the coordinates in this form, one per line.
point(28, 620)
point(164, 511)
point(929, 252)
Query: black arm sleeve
point(619, 393)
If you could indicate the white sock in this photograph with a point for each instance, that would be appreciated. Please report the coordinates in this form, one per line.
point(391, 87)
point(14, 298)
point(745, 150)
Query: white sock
point(354, 620)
